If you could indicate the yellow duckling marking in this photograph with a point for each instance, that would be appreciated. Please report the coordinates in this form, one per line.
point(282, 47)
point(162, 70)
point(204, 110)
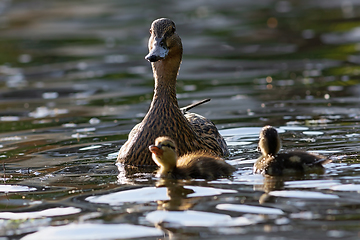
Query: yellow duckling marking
point(296, 159)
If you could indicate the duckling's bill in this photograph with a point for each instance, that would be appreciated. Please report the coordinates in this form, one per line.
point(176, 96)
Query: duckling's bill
point(156, 150)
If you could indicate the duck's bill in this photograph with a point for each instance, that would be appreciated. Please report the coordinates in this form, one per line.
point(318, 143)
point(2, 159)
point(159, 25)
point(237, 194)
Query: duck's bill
point(158, 52)
point(156, 150)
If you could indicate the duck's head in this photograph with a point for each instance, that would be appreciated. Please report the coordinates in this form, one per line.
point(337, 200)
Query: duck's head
point(269, 143)
point(164, 153)
point(164, 41)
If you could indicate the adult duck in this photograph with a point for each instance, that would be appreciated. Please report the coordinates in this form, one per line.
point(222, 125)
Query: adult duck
point(190, 131)
point(198, 164)
point(274, 163)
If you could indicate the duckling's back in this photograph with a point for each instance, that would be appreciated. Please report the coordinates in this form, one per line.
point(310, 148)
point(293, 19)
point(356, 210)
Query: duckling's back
point(202, 165)
point(290, 163)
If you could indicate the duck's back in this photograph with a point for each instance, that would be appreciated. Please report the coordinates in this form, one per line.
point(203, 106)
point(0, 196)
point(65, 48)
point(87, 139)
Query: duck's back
point(206, 130)
point(202, 165)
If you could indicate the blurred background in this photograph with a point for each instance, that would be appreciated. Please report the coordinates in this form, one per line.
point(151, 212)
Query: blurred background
point(74, 81)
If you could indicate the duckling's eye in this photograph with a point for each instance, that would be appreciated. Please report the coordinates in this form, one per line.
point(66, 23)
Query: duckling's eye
point(168, 145)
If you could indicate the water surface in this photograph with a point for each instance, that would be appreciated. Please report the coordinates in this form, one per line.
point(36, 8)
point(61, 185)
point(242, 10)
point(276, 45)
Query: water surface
point(74, 81)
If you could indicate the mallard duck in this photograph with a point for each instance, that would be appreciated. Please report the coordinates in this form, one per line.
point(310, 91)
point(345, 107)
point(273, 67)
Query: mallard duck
point(191, 132)
point(273, 163)
point(198, 164)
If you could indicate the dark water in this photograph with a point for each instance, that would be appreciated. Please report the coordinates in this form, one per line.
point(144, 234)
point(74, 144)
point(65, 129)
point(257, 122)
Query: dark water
point(73, 82)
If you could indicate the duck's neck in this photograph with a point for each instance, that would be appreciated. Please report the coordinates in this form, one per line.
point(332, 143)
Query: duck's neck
point(165, 74)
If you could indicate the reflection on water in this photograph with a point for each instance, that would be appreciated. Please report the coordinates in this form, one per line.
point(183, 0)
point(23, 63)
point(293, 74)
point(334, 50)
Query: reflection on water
point(73, 82)
point(40, 214)
point(190, 218)
point(250, 209)
point(82, 231)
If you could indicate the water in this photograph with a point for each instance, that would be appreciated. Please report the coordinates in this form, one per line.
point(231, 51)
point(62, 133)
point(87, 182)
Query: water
point(73, 82)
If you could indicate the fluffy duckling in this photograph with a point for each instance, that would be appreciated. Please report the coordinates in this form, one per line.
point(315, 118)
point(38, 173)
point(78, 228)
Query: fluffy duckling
point(191, 132)
point(193, 165)
point(273, 163)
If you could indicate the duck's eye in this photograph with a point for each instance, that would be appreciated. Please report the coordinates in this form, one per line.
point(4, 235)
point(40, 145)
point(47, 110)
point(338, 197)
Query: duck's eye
point(150, 31)
point(162, 44)
point(170, 32)
point(173, 29)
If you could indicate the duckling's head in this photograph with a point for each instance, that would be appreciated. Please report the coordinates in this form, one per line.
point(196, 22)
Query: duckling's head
point(164, 153)
point(164, 41)
point(269, 143)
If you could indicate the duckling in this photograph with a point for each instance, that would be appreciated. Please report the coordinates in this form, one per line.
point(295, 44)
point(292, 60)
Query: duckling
point(273, 163)
point(191, 132)
point(198, 164)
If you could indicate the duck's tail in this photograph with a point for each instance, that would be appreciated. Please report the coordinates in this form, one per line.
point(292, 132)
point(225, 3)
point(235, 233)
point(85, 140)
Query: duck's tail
point(188, 107)
point(324, 161)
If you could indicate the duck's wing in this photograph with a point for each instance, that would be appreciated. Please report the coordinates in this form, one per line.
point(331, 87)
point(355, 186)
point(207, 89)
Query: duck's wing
point(188, 107)
point(134, 130)
point(126, 147)
point(207, 131)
